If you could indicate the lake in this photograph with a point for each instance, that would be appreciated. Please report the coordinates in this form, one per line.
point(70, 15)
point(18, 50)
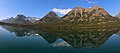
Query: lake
point(29, 40)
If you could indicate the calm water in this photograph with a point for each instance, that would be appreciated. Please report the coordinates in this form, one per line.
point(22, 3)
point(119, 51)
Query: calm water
point(28, 40)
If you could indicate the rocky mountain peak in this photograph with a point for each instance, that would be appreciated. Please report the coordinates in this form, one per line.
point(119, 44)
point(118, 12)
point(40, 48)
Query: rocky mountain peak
point(96, 7)
point(51, 14)
point(98, 11)
point(20, 17)
point(50, 18)
point(79, 14)
point(78, 7)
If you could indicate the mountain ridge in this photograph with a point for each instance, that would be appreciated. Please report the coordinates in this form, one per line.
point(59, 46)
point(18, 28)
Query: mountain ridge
point(77, 15)
point(87, 14)
point(49, 18)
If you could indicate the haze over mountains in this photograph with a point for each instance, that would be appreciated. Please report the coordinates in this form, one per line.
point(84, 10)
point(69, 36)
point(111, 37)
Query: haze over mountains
point(77, 15)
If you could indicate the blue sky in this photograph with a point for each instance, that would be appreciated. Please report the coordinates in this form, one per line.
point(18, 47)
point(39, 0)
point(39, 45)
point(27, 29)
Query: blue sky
point(38, 8)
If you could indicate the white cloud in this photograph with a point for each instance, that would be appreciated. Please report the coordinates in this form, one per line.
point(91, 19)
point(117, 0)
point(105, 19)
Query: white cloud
point(91, 1)
point(2, 18)
point(61, 11)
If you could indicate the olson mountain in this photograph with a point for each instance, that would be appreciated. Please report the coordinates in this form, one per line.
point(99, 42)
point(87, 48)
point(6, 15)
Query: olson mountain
point(77, 16)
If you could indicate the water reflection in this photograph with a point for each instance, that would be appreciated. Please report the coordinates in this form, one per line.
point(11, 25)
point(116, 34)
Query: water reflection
point(75, 39)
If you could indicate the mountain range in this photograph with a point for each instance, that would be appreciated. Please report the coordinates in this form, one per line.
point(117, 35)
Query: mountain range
point(20, 19)
point(77, 15)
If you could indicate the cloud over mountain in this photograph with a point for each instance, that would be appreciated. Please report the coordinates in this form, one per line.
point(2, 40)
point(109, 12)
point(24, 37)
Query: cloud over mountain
point(61, 11)
point(91, 1)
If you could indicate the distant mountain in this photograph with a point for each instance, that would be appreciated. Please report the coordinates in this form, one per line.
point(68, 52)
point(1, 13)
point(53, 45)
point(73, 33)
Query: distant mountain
point(20, 19)
point(23, 19)
point(81, 15)
point(9, 20)
point(118, 15)
point(51, 17)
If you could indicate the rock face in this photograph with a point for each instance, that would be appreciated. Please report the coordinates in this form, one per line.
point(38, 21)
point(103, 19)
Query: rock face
point(51, 17)
point(93, 14)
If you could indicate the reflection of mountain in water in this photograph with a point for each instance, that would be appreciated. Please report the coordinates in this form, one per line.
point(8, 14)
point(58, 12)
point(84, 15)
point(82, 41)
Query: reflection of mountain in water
point(78, 39)
point(60, 42)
